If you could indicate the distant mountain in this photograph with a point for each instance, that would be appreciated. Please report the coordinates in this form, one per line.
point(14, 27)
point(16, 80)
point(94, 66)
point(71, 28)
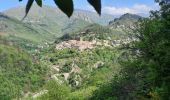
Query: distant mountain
point(44, 24)
point(54, 21)
point(125, 21)
point(11, 27)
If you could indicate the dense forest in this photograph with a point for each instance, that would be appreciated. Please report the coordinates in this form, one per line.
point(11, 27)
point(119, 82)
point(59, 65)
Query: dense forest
point(85, 59)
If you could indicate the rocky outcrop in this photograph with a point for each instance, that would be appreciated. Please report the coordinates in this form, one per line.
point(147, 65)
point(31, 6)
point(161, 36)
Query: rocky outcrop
point(125, 22)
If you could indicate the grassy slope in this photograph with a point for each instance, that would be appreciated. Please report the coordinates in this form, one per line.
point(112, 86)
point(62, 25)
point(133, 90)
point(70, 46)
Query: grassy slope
point(16, 28)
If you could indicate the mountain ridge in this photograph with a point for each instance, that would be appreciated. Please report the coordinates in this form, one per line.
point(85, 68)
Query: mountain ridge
point(126, 21)
point(19, 12)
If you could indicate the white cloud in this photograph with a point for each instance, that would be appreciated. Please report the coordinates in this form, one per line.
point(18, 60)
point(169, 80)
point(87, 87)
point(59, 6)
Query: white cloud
point(116, 10)
point(141, 8)
point(135, 9)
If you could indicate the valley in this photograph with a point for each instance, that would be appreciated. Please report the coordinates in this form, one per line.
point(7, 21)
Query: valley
point(104, 51)
point(48, 55)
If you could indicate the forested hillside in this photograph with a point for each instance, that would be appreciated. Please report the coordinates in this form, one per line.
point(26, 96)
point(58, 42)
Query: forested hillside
point(19, 72)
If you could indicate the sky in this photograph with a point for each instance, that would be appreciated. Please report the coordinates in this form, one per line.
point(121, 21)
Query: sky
point(113, 7)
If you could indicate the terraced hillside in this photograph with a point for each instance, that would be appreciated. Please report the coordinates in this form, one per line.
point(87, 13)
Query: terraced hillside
point(79, 64)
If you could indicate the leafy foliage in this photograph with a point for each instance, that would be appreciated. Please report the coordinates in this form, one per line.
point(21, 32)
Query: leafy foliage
point(65, 5)
point(145, 73)
point(28, 6)
point(39, 2)
point(96, 4)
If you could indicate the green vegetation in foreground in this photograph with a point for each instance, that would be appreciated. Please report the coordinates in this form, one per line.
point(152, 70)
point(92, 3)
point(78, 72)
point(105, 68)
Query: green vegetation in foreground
point(145, 71)
point(19, 74)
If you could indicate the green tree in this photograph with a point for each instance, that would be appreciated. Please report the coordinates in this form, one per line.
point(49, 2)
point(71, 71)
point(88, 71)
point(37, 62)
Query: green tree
point(145, 73)
point(152, 52)
point(56, 91)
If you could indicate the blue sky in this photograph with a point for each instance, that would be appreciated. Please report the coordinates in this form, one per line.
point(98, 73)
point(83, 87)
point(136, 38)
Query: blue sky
point(114, 7)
